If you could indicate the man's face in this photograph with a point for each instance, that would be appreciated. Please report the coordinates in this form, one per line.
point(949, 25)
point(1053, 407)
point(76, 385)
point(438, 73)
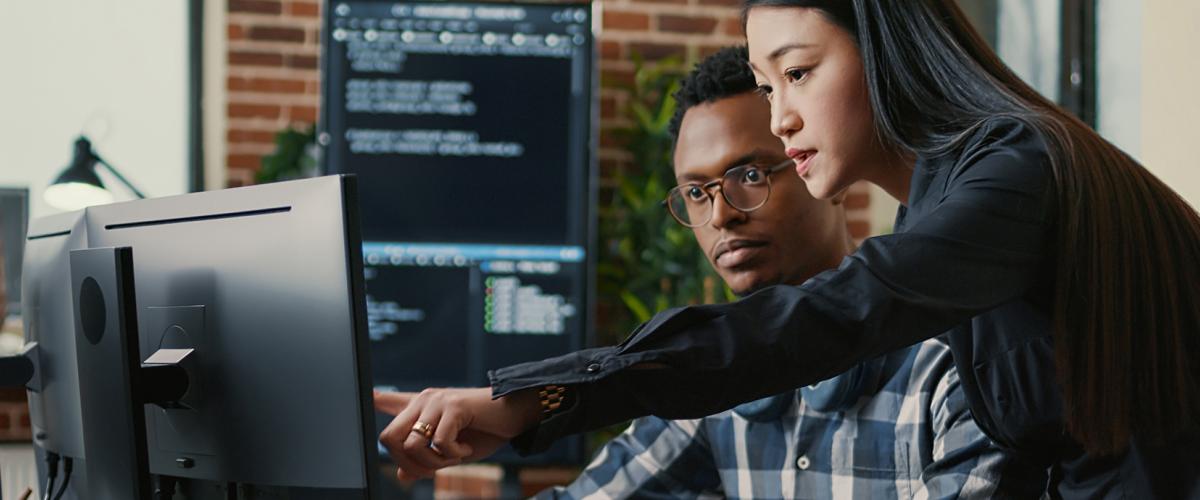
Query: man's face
point(792, 236)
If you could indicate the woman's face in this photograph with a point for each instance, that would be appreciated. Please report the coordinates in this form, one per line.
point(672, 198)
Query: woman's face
point(811, 72)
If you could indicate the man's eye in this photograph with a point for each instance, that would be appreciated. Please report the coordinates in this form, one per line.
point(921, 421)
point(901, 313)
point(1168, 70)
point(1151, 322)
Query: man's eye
point(694, 193)
point(752, 176)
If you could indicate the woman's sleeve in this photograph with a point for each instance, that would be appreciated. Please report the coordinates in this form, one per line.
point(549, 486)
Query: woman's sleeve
point(985, 242)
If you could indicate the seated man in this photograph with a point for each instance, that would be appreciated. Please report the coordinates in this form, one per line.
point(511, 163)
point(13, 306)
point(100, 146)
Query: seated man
point(897, 427)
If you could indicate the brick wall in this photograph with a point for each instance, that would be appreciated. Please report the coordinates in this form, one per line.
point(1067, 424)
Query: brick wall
point(14, 416)
point(14, 411)
point(274, 81)
point(691, 29)
point(273, 77)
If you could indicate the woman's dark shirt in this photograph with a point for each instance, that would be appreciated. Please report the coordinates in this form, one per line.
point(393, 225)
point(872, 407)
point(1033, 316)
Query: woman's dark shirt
point(972, 257)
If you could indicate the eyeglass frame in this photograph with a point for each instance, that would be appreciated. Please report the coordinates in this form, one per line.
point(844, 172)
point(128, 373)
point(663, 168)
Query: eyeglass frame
point(718, 183)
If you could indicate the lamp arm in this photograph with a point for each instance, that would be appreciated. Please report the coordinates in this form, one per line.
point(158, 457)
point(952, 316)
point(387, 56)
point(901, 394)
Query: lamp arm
point(118, 175)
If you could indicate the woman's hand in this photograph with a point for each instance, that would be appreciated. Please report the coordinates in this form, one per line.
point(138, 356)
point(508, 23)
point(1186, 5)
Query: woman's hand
point(463, 425)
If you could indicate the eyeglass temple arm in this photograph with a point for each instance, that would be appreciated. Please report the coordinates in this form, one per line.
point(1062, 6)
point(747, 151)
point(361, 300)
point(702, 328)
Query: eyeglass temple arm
point(780, 166)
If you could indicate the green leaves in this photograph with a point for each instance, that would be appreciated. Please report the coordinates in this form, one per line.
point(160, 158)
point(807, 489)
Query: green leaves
point(294, 156)
point(647, 261)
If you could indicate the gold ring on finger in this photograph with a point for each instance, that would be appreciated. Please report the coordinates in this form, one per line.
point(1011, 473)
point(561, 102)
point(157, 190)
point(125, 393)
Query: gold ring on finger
point(423, 429)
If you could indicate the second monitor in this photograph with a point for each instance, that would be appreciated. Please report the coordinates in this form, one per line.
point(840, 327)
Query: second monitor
point(264, 284)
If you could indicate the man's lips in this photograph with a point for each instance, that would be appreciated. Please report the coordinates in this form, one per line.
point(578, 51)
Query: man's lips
point(802, 157)
point(733, 253)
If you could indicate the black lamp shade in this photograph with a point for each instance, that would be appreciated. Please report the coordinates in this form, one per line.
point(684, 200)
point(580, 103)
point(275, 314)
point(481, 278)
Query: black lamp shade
point(78, 186)
point(83, 166)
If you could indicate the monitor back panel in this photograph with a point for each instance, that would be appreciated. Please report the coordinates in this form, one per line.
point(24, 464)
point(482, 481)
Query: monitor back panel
point(258, 281)
point(49, 320)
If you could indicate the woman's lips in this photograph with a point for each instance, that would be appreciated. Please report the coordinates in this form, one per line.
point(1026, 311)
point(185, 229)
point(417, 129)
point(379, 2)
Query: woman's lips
point(803, 159)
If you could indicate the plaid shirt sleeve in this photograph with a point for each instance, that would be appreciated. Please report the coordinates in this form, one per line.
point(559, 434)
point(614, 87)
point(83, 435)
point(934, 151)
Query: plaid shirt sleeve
point(966, 464)
point(654, 458)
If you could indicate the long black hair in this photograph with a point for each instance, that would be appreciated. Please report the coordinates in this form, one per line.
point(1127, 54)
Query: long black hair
point(1127, 289)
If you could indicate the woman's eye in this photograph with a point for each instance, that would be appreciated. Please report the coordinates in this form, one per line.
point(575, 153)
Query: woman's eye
point(763, 91)
point(795, 75)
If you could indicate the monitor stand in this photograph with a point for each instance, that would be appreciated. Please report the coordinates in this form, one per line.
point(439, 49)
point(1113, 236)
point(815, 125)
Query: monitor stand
point(113, 383)
point(18, 370)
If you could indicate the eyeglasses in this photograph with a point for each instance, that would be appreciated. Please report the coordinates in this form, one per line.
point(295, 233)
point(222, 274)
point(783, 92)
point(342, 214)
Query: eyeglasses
point(745, 188)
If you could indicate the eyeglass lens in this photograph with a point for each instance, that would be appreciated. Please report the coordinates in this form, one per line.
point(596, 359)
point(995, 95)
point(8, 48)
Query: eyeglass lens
point(745, 188)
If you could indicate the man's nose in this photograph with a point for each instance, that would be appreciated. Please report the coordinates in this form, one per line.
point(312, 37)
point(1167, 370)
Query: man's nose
point(724, 214)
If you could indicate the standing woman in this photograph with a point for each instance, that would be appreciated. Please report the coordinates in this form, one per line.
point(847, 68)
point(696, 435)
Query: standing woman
point(1063, 274)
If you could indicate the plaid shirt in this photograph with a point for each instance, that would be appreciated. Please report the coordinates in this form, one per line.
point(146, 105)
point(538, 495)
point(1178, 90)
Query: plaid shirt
point(913, 438)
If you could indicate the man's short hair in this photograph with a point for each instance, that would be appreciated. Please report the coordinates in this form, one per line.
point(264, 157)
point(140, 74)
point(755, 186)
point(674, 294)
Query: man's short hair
point(726, 73)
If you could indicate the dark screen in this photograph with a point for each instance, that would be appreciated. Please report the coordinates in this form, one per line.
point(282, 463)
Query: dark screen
point(478, 124)
point(469, 128)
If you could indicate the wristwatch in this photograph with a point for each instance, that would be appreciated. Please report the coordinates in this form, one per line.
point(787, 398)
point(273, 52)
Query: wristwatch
point(553, 398)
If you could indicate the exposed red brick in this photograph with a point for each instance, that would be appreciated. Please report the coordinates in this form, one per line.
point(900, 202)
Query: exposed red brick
point(238, 177)
point(267, 85)
point(4, 421)
point(24, 422)
point(608, 107)
point(609, 167)
point(315, 36)
point(244, 161)
point(244, 58)
point(725, 3)
point(535, 479)
point(610, 50)
point(609, 139)
point(708, 50)
point(254, 111)
point(856, 201)
point(448, 482)
point(255, 6)
point(276, 34)
point(655, 51)
point(616, 78)
point(626, 21)
point(859, 229)
point(660, 1)
point(304, 9)
point(302, 61)
point(238, 136)
point(235, 32)
point(697, 25)
point(307, 114)
point(733, 27)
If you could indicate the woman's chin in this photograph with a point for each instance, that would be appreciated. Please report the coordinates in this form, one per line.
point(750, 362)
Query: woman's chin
point(819, 189)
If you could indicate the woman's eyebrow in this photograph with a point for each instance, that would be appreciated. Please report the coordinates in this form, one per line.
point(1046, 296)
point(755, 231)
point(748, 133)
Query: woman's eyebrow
point(784, 49)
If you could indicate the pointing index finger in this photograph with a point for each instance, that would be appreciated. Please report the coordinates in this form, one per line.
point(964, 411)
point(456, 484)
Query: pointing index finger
point(392, 403)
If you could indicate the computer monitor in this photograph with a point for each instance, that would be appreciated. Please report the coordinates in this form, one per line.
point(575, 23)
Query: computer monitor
point(14, 217)
point(111, 385)
point(265, 284)
point(54, 409)
point(470, 126)
point(48, 316)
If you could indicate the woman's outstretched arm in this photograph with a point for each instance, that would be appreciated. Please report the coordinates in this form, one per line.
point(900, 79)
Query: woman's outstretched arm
point(984, 240)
